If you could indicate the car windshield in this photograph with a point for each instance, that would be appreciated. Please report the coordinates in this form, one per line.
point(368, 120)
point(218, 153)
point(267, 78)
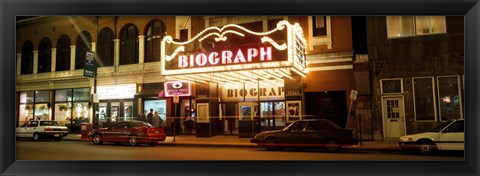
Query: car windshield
point(440, 127)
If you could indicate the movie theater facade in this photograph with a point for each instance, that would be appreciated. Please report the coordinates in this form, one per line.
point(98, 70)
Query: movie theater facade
point(232, 75)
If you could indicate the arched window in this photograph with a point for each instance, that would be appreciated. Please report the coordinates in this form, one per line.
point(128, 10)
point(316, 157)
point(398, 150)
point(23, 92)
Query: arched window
point(45, 56)
point(105, 48)
point(63, 54)
point(129, 44)
point(27, 58)
point(84, 44)
point(155, 32)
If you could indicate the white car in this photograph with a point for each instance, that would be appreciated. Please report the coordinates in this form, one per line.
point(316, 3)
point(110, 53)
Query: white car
point(36, 129)
point(447, 136)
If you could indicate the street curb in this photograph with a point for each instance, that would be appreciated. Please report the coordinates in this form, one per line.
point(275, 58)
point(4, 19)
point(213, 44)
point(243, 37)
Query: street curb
point(363, 148)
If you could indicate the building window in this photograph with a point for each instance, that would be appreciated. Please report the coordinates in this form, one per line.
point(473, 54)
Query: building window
point(26, 107)
point(408, 26)
point(319, 26)
point(129, 45)
point(430, 25)
point(45, 56)
point(42, 101)
point(63, 54)
point(424, 99)
point(183, 35)
point(27, 58)
point(391, 86)
point(320, 33)
point(105, 48)
point(449, 99)
point(155, 33)
point(84, 45)
point(72, 107)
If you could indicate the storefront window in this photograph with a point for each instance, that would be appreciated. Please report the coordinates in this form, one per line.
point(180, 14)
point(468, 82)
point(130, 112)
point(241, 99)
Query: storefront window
point(449, 98)
point(26, 97)
point(82, 94)
point(42, 96)
point(41, 111)
point(157, 105)
point(26, 113)
point(63, 95)
point(424, 99)
point(80, 112)
point(63, 112)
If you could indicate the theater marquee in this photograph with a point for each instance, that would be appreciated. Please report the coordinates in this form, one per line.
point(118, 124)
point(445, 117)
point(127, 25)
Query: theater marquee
point(232, 53)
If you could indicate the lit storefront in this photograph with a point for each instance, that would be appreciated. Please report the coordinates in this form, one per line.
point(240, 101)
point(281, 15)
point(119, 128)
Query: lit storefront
point(116, 103)
point(244, 80)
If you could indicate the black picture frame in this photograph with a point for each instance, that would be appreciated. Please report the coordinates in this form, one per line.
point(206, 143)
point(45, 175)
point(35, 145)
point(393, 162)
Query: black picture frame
point(9, 9)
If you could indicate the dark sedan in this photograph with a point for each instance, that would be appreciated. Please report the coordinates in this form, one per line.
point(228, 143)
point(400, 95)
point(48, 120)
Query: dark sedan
point(132, 132)
point(307, 133)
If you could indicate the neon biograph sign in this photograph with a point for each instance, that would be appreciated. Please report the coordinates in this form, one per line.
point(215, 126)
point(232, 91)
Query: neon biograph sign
point(235, 48)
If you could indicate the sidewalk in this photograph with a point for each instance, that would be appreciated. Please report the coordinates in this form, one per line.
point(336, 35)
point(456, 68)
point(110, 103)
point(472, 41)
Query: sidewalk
point(235, 141)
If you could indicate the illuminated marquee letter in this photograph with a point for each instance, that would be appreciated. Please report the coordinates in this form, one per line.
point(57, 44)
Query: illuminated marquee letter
point(201, 59)
point(182, 61)
point(227, 57)
point(267, 53)
point(251, 53)
point(239, 58)
point(213, 58)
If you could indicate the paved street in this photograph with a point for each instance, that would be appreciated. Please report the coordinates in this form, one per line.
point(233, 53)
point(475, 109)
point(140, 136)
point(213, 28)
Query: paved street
point(83, 150)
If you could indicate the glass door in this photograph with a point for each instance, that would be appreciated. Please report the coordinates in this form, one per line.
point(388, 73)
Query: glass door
point(266, 115)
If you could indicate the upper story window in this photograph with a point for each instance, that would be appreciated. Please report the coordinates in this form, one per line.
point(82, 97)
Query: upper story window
point(63, 54)
point(105, 48)
point(84, 41)
point(408, 26)
point(319, 26)
point(320, 32)
point(155, 33)
point(27, 58)
point(129, 44)
point(45, 56)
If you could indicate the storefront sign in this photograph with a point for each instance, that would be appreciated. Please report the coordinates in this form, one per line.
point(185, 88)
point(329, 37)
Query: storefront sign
point(235, 48)
point(125, 91)
point(179, 88)
point(252, 93)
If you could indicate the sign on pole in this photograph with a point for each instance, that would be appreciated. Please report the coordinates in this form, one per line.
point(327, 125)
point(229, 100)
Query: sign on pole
point(89, 69)
point(353, 97)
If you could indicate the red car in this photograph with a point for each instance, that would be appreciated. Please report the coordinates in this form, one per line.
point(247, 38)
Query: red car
point(132, 132)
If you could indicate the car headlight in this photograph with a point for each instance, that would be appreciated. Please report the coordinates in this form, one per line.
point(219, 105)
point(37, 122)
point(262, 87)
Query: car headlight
point(406, 139)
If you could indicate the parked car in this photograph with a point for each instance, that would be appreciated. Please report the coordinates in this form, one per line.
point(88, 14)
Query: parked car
point(132, 132)
point(308, 133)
point(36, 129)
point(446, 136)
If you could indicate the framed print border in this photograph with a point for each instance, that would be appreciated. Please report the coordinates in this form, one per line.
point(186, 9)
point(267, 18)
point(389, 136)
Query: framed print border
point(10, 166)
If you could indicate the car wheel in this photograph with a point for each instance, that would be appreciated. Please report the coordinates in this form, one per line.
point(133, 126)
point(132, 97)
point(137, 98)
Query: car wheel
point(97, 139)
point(58, 138)
point(36, 137)
point(271, 144)
point(331, 145)
point(426, 147)
point(132, 140)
